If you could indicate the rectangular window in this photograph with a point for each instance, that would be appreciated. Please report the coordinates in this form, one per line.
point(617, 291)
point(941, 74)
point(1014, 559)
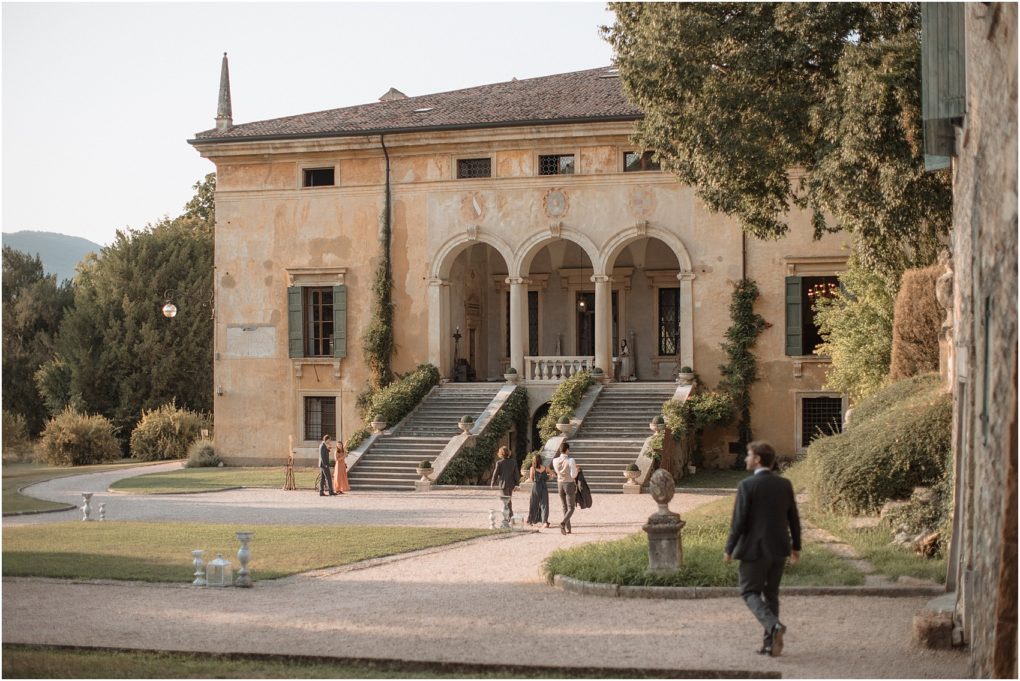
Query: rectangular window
point(634, 162)
point(319, 321)
point(468, 168)
point(820, 416)
point(802, 336)
point(669, 321)
point(319, 177)
point(558, 164)
point(320, 417)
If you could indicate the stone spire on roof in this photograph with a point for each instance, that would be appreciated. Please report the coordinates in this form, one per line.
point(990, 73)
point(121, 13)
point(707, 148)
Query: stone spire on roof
point(392, 94)
point(224, 116)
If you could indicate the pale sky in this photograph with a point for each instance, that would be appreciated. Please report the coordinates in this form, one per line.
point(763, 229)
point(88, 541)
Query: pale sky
point(99, 99)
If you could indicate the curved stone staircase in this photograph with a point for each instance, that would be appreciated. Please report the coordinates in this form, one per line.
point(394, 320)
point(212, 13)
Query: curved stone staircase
point(615, 429)
point(390, 462)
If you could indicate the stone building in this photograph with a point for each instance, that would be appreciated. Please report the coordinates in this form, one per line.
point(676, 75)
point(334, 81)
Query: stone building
point(970, 97)
point(527, 232)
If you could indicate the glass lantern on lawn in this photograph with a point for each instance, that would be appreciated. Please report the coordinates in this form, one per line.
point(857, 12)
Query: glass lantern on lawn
point(219, 572)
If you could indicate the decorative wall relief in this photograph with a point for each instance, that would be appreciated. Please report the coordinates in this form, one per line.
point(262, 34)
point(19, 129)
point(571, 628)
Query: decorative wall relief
point(641, 203)
point(472, 207)
point(556, 203)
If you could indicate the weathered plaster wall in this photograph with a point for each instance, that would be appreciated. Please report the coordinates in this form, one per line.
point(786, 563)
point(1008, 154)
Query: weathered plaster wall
point(984, 243)
point(268, 224)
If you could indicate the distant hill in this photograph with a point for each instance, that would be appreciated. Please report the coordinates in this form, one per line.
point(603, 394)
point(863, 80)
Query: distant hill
point(59, 253)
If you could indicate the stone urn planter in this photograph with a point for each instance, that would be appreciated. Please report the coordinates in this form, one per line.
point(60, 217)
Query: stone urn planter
point(378, 425)
point(657, 425)
point(685, 376)
point(564, 425)
point(424, 469)
point(511, 375)
point(466, 423)
point(692, 469)
point(631, 473)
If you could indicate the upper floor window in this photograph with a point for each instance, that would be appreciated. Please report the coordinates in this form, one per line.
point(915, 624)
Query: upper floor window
point(634, 162)
point(319, 177)
point(317, 321)
point(468, 168)
point(802, 336)
point(557, 164)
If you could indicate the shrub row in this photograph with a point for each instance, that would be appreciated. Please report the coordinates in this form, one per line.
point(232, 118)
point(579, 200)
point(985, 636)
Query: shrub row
point(474, 463)
point(898, 439)
point(166, 433)
point(392, 403)
point(564, 401)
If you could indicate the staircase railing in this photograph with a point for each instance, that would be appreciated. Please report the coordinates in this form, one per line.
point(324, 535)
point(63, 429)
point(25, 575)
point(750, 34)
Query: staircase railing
point(644, 461)
point(459, 442)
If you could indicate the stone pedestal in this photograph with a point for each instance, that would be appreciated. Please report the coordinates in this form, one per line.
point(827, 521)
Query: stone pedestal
point(507, 515)
point(631, 488)
point(665, 548)
point(422, 485)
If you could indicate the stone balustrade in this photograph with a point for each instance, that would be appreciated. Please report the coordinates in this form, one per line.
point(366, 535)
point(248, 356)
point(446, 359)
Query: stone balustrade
point(555, 369)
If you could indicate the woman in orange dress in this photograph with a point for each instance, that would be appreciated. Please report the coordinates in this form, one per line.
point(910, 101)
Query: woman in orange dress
point(340, 483)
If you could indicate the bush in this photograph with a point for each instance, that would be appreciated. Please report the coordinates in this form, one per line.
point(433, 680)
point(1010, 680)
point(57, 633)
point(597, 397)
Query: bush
point(356, 438)
point(917, 321)
point(564, 401)
point(73, 439)
point(166, 433)
point(899, 439)
point(395, 401)
point(16, 444)
point(202, 454)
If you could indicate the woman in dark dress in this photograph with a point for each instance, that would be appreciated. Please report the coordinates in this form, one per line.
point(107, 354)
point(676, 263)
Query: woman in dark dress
point(538, 475)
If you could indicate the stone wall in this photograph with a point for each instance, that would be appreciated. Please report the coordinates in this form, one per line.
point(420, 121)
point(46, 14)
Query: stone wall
point(984, 244)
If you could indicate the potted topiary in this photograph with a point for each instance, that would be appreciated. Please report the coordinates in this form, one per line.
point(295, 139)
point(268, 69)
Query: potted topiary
point(424, 469)
point(466, 422)
point(563, 425)
point(378, 423)
point(658, 424)
point(511, 375)
point(631, 472)
point(685, 376)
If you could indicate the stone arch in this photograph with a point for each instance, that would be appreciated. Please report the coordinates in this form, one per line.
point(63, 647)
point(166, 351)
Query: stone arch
point(531, 246)
point(454, 246)
point(616, 243)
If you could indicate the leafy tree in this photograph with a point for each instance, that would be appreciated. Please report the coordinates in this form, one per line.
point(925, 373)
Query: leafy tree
point(203, 204)
point(33, 306)
point(764, 107)
point(741, 369)
point(856, 326)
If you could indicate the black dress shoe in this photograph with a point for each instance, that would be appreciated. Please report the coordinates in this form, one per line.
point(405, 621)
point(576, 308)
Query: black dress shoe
point(563, 530)
point(777, 639)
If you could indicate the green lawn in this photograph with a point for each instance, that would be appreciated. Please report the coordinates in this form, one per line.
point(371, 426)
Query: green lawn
point(712, 478)
point(213, 479)
point(19, 475)
point(53, 662)
point(161, 552)
point(624, 561)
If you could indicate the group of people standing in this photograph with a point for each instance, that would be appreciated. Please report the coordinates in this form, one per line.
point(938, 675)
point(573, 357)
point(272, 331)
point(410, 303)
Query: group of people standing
point(335, 481)
point(570, 484)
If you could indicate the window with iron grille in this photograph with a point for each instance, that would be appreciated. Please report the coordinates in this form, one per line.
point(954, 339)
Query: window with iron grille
point(468, 168)
point(319, 177)
point(669, 320)
point(634, 162)
point(320, 417)
point(820, 416)
point(557, 164)
point(319, 321)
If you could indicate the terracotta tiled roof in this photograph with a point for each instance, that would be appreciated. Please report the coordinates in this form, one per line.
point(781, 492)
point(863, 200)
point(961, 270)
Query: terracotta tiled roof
point(592, 95)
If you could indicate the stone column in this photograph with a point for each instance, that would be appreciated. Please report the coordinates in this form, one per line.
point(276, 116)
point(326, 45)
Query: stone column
point(518, 325)
point(686, 319)
point(604, 322)
point(439, 326)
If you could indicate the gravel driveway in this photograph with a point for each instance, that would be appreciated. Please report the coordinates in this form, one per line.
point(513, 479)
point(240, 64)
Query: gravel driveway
point(479, 602)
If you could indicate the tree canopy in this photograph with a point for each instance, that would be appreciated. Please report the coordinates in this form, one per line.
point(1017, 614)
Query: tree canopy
point(117, 355)
point(765, 107)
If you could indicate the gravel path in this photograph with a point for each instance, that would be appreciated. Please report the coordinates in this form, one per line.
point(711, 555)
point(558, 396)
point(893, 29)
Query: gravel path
point(479, 602)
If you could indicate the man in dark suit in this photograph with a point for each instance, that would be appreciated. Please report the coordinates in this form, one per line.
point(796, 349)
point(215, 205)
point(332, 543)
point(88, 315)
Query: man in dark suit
point(325, 479)
point(765, 519)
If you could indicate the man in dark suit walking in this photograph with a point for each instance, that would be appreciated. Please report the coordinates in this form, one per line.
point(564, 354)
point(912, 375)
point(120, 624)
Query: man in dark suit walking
point(325, 480)
point(765, 519)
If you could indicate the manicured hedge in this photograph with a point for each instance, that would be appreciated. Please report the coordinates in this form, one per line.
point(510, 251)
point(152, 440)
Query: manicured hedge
point(395, 401)
point(564, 401)
point(473, 464)
point(898, 439)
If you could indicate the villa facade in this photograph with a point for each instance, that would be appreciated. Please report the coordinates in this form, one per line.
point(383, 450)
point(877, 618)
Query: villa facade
point(527, 232)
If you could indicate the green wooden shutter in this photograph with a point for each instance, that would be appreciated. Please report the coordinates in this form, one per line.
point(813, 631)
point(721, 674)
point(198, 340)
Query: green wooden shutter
point(794, 317)
point(340, 321)
point(295, 323)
